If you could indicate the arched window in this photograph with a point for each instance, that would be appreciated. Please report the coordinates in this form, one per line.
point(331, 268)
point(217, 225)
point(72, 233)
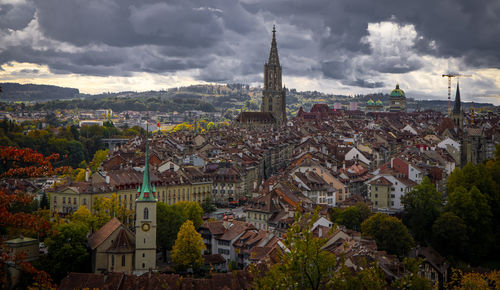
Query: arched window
point(123, 260)
point(146, 213)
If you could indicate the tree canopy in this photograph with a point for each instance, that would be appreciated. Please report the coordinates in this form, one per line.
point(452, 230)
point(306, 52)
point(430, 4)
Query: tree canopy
point(186, 252)
point(390, 234)
point(422, 207)
point(171, 217)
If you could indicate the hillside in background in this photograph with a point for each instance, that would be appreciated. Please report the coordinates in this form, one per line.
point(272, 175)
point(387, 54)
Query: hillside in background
point(35, 93)
point(207, 98)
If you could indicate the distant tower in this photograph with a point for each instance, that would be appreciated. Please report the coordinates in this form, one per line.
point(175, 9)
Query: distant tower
point(457, 115)
point(274, 95)
point(397, 100)
point(145, 222)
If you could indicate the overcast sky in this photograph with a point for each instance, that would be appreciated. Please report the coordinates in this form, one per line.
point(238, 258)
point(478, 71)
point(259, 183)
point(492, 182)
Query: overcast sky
point(345, 47)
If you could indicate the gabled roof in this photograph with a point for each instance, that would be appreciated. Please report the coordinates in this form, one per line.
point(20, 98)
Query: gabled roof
point(381, 181)
point(215, 227)
point(123, 243)
point(103, 233)
point(235, 229)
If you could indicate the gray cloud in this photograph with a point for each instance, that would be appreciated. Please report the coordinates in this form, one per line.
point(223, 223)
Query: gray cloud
point(15, 17)
point(364, 84)
point(229, 40)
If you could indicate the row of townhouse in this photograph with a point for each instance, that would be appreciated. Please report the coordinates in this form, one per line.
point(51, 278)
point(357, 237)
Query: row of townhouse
point(171, 187)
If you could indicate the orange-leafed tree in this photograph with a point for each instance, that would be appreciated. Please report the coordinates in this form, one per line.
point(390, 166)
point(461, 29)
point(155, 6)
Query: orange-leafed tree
point(14, 218)
point(26, 162)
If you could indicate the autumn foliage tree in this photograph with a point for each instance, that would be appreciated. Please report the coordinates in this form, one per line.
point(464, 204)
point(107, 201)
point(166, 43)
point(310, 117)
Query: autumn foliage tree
point(22, 163)
point(187, 249)
point(15, 162)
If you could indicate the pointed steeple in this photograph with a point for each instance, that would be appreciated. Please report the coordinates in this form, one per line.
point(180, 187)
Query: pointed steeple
point(273, 54)
point(456, 108)
point(146, 192)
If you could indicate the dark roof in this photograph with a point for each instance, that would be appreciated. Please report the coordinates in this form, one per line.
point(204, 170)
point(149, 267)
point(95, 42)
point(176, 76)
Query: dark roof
point(255, 117)
point(214, 259)
point(232, 280)
point(215, 227)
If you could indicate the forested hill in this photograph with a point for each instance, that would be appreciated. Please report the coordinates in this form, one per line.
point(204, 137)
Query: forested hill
point(35, 93)
point(207, 98)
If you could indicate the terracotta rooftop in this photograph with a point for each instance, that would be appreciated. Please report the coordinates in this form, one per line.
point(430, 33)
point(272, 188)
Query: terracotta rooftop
point(103, 233)
point(118, 281)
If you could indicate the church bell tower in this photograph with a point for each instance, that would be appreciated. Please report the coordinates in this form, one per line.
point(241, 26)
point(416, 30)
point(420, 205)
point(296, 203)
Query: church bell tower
point(274, 95)
point(145, 222)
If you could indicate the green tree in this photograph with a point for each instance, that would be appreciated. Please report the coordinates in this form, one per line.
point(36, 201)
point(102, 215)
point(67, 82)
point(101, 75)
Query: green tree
point(449, 235)
point(98, 158)
point(67, 251)
point(84, 216)
point(389, 233)
point(473, 208)
point(105, 208)
point(171, 217)
point(186, 252)
point(352, 217)
point(412, 280)
point(192, 211)
point(368, 277)
point(302, 264)
point(422, 207)
point(208, 205)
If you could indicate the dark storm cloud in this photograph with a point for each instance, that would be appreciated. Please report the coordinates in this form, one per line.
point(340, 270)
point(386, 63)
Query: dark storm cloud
point(364, 84)
point(229, 40)
point(15, 17)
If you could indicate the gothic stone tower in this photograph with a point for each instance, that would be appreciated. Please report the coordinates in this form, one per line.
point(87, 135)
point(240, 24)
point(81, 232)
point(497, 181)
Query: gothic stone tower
point(457, 115)
point(145, 222)
point(274, 95)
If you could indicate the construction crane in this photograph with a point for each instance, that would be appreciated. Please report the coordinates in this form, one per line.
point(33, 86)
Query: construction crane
point(449, 76)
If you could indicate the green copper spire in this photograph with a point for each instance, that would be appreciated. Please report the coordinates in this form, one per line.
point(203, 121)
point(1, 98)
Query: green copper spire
point(146, 192)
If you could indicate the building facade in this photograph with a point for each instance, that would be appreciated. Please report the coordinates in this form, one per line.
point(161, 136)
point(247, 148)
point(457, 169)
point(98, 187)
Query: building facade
point(274, 94)
point(145, 223)
point(273, 110)
point(397, 101)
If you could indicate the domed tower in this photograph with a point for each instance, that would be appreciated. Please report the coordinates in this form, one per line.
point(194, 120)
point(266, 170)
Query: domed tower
point(397, 101)
point(274, 95)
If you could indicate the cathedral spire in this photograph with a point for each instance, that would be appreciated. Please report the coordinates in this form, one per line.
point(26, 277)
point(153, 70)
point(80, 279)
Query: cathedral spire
point(273, 54)
point(146, 192)
point(456, 108)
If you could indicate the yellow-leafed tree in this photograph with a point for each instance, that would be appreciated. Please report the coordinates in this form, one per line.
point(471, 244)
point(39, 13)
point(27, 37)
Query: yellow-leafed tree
point(186, 252)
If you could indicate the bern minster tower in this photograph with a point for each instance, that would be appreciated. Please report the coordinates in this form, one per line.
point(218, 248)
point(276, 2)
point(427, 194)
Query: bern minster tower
point(274, 95)
point(145, 222)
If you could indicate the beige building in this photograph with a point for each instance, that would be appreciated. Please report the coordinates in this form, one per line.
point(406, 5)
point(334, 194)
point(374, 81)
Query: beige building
point(189, 184)
point(28, 246)
point(112, 247)
point(380, 192)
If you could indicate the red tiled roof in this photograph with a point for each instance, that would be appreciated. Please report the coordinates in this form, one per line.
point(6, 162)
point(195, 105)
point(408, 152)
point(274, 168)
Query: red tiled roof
point(103, 233)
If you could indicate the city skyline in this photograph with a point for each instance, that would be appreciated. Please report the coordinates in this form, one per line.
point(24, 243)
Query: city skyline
point(333, 47)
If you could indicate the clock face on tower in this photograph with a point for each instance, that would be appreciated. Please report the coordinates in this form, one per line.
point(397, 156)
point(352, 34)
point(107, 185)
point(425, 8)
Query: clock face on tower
point(145, 227)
